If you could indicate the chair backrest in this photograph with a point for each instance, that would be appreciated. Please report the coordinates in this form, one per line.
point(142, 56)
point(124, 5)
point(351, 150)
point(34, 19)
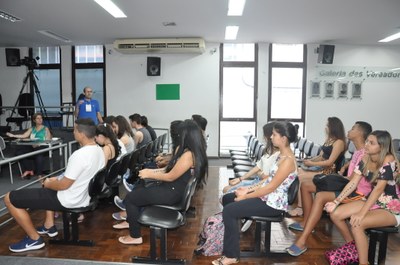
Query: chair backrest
point(26, 99)
point(148, 154)
point(155, 148)
point(307, 148)
point(396, 144)
point(260, 152)
point(187, 195)
point(96, 184)
point(124, 163)
point(316, 149)
point(351, 147)
point(2, 143)
point(112, 173)
point(162, 143)
point(293, 190)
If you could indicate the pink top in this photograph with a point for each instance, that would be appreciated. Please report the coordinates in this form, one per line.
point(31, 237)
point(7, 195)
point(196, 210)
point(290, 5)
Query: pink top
point(364, 187)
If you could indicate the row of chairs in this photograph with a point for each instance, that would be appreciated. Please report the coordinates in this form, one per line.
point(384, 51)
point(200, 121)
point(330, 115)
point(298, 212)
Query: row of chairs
point(304, 148)
point(105, 185)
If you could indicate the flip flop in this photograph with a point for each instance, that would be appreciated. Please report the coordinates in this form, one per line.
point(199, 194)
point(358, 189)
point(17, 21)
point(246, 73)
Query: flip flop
point(296, 227)
point(220, 261)
point(117, 216)
point(123, 225)
point(295, 212)
point(122, 239)
point(295, 251)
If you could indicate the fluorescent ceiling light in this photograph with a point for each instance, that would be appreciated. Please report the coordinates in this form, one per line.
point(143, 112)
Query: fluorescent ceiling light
point(236, 7)
point(53, 35)
point(231, 32)
point(9, 17)
point(111, 8)
point(391, 37)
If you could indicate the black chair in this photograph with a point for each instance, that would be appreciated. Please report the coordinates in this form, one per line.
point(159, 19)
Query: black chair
point(379, 235)
point(264, 223)
point(112, 181)
point(124, 163)
point(71, 215)
point(25, 110)
point(247, 150)
point(161, 218)
point(241, 170)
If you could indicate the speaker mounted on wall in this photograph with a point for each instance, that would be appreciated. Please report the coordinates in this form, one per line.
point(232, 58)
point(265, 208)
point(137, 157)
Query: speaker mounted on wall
point(325, 54)
point(13, 57)
point(153, 66)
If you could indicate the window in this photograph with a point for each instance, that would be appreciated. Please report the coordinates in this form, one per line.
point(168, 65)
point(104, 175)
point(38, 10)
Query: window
point(287, 88)
point(48, 79)
point(238, 94)
point(89, 70)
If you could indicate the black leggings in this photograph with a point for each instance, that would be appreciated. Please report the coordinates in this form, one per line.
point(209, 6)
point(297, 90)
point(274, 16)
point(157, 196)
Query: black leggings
point(233, 212)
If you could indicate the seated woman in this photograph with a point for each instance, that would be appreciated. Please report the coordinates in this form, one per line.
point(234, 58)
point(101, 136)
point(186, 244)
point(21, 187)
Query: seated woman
point(270, 199)
point(261, 170)
point(106, 138)
point(189, 160)
point(38, 132)
point(382, 208)
point(312, 207)
point(124, 132)
point(331, 156)
point(358, 135)
point(161, 162)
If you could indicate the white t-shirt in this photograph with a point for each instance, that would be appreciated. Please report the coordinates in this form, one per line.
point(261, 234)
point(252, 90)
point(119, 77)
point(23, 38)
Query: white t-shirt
point(82, 166)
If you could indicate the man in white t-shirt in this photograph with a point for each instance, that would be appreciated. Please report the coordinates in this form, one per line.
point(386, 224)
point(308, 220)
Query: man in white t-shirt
point(58, 193)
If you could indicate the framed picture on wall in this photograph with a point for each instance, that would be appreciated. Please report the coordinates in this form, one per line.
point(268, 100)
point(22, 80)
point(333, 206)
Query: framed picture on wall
point(329, 90)
point(315, 89)
point(356, 90)
point(343, 90)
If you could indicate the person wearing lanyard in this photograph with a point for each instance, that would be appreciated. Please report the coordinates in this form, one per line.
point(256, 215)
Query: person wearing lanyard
point(88, 107)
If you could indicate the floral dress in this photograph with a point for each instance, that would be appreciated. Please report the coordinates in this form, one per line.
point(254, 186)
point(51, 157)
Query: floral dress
point(278, 199)
point(389, 199)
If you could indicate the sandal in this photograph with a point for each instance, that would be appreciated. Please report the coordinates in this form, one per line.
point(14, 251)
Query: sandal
point(123, 225)
point(221, 260)
point(27, 174)
point(296, 212)
point(136, 241)
point(295, 251)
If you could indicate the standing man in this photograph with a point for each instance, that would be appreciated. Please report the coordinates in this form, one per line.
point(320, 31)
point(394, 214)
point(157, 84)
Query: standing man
point(58, 193)
point(88, 107)
point(142, 135)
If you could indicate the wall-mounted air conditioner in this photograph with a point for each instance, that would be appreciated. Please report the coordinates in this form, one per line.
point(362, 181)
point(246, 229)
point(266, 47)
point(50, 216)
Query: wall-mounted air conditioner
point(170, 45)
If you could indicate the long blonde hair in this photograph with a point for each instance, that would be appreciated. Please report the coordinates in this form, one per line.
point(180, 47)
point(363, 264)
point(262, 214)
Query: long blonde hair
point(385, 143)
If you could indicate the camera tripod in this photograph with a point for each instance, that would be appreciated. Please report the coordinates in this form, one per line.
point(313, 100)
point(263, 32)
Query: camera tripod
point(32, 80)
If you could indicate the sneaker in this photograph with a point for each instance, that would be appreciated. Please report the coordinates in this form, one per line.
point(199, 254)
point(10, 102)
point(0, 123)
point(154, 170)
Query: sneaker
point(246, 225)
point(27, 244)
point(128, 186)
point(51, 232)
point(117, 216)
point(119, 203)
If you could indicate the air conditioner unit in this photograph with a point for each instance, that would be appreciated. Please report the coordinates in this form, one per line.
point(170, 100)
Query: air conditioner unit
point(170, 45)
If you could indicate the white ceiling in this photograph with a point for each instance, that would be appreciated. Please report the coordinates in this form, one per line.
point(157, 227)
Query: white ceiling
point(359, 22)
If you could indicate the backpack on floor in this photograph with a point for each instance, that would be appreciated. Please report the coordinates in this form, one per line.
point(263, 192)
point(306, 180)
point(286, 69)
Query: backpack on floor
point(211, 238)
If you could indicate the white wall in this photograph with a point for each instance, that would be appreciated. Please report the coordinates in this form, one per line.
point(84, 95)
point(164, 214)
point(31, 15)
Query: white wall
point(130, 90)
point(380, 99)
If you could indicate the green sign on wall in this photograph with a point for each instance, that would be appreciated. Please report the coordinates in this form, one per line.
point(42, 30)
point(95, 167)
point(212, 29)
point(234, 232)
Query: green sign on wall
point(167, 92)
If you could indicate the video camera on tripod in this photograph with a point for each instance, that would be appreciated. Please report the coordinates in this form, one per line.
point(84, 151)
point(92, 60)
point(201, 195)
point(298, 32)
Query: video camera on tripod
point(31, 63)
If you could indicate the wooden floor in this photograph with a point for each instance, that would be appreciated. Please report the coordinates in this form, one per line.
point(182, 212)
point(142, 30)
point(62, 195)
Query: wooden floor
point(181, 242)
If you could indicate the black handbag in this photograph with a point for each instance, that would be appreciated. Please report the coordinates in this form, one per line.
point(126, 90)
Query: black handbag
point(330, 182)
point(151, 182)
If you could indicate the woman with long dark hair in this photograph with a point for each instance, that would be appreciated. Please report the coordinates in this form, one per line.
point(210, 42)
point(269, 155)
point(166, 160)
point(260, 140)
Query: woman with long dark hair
point(189, 160)
point(268, 199)
point(106, 138)
point(124, 132)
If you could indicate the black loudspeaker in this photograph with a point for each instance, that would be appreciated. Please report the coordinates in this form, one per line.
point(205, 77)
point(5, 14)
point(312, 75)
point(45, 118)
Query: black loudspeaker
point(325, 54)
point(12, 57)
point(153, 66)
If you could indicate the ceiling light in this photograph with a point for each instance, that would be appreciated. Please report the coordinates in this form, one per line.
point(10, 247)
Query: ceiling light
point(111, 8)
point(9, 17)
point(53, 35)
point(391, 37)
point(169, 24)
point(231, 32)
point(235, 7)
